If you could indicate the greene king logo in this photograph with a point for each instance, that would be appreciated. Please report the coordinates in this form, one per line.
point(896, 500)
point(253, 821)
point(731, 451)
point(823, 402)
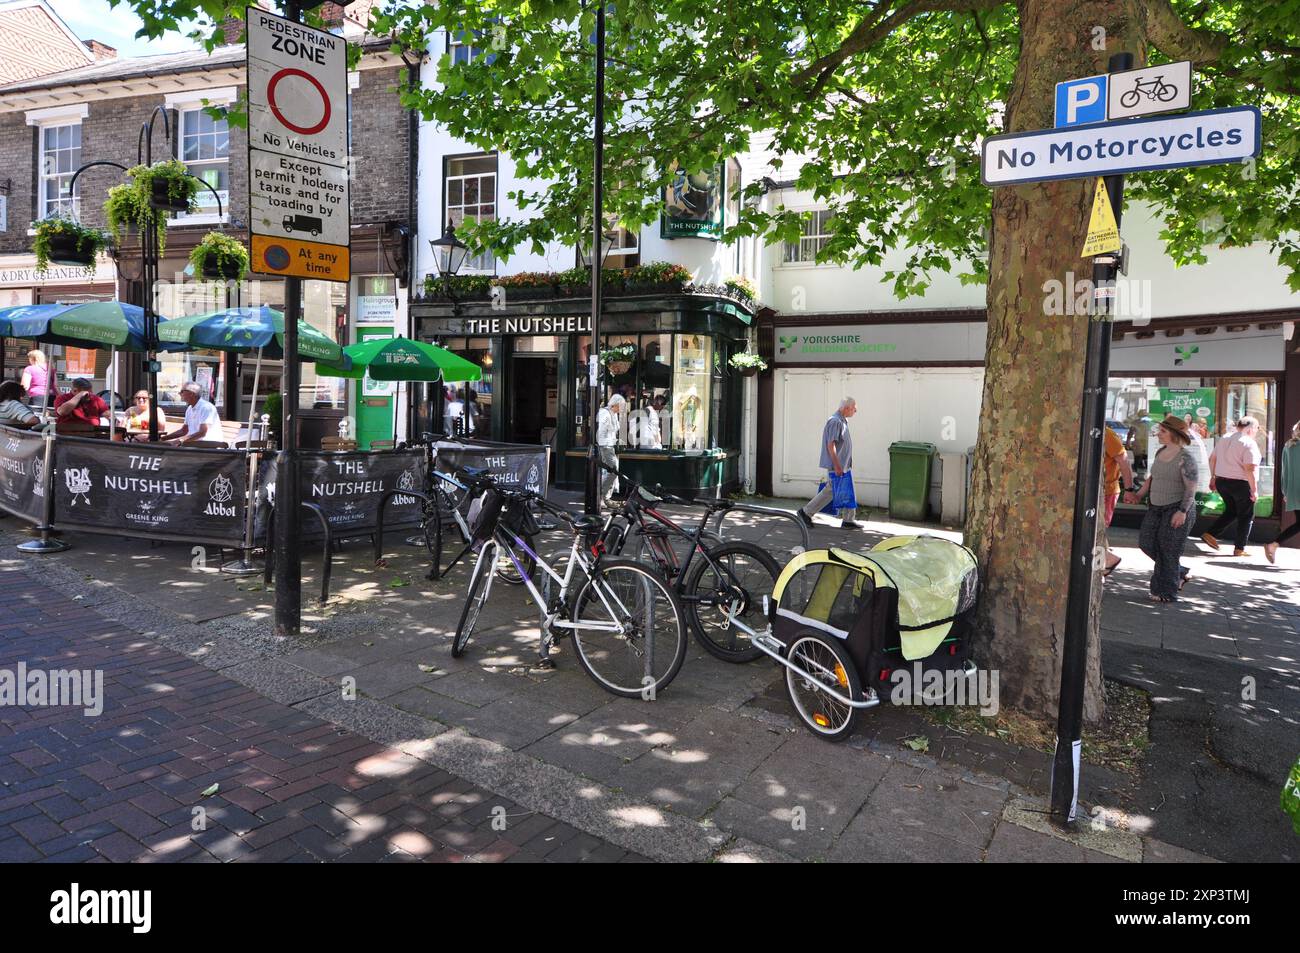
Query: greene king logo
point(77, 480)
point(220, 492)
point(76, 906)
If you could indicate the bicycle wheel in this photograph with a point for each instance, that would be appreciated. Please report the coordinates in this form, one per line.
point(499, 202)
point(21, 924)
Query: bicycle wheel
point(431, 530)
point(829, 662)
point(640, 661)
point(1165, 92)
point(1130, 99)
point(730, 586)
point(506, 570)
point(480, 585)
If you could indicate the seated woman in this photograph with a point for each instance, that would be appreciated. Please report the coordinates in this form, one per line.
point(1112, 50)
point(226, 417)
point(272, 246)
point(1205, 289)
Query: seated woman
point(13, 412)
point(137, 416)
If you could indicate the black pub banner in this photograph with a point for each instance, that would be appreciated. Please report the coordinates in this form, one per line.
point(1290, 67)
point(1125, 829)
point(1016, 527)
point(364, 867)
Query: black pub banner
point(348, 488)
point(22, 473)
point(514, 465)
point(143, 489)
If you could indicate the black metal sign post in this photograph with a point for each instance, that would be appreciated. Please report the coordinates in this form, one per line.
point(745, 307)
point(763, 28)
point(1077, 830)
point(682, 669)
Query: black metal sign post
point(288, 559)
point(597, 230)
point(1087, 481)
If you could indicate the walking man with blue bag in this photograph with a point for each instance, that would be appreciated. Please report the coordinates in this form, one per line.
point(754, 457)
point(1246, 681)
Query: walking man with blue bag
point(837, 461)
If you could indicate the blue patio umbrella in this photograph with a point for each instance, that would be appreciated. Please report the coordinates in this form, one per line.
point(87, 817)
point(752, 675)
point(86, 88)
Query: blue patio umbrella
point(99, 325)
point(258, 330)
point(89, 324)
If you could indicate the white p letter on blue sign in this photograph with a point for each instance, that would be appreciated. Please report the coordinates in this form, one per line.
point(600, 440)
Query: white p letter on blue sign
point(1080, 102)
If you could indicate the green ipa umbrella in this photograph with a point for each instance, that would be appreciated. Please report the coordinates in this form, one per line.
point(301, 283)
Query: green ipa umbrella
point(401, 359)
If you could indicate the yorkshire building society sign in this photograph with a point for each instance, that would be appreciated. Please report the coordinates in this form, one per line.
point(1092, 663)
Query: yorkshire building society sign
point(297, 149)
point(1212, 137)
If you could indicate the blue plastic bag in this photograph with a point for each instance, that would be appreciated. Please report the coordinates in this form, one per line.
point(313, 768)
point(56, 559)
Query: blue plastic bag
point(844, 497)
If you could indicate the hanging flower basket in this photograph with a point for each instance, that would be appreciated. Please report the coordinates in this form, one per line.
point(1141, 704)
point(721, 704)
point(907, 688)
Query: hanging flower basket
point(64, 250)
point(220, 257)
point(167, 186)
point(747, 363)
point(618, 359)
point(61, 241)
point(162, 200)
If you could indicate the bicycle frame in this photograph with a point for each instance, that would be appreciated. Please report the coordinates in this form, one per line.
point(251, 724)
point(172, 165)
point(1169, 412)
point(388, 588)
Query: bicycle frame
point(697, 546)
point(577, 560)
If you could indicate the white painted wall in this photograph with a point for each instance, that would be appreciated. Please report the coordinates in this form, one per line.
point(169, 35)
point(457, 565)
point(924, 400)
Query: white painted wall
point(938, 405)
point(1233, 280)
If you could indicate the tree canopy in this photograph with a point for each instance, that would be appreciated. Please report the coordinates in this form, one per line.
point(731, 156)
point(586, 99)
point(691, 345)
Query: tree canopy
point(877, 108)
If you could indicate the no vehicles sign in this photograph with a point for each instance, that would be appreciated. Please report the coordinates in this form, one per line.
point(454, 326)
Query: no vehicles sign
point(298, 149)
point(1211, 137)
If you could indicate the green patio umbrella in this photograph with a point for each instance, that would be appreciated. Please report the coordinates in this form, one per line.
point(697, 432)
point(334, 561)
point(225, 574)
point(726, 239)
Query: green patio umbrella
point(401, 359)
point(257, 330)
point(246, 330)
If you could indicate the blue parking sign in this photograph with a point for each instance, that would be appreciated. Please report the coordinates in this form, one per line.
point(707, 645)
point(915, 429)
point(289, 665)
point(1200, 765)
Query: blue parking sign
point(1080, 102)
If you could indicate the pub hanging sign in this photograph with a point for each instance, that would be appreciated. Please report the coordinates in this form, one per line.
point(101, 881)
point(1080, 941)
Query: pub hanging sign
point(693, 205)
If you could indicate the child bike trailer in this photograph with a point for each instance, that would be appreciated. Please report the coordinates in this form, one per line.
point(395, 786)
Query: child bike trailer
point(844, 623)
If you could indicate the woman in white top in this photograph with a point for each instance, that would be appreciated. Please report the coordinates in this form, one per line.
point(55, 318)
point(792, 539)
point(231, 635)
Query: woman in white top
point(607, 434)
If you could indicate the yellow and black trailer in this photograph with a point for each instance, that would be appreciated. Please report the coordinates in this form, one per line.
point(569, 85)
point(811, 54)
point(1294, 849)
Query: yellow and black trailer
point(845, 623)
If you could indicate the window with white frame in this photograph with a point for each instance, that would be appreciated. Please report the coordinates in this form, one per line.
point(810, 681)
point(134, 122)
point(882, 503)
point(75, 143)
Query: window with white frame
point(470, 194)
point(204, 145)
point(465, 46)
point(60, 147)
point(815, 233)
point(625, 251)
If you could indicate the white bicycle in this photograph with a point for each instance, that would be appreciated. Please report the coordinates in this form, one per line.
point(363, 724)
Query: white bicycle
point(627, 626)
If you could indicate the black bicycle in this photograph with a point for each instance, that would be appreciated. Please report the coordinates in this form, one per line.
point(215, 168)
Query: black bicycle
point(718, 583)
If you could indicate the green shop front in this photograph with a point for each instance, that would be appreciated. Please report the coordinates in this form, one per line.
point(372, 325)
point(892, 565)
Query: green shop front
point(667, 355)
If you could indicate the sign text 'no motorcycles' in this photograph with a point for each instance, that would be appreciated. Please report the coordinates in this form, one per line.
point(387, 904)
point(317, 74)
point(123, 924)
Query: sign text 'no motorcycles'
point(1212, 137)
point(298, 149)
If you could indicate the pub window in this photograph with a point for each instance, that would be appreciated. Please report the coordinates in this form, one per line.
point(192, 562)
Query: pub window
point(815, 233)
point(669, 386)
point(470, 194)
point(204, 145)
point(60, 159)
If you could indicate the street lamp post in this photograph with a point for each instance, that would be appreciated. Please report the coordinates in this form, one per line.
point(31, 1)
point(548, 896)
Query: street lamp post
point(449, 254)
point(597, 229)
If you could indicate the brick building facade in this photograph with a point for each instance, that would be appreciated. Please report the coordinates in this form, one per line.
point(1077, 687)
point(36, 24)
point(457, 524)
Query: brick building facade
point(51, 125)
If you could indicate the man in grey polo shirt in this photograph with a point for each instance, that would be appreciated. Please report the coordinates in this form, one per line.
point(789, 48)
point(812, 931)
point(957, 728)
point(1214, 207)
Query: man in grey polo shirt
point(836, 459)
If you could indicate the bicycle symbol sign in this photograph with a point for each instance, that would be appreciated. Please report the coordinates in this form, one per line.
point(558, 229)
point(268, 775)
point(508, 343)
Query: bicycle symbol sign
point(1091, 100)
point(1156, 89)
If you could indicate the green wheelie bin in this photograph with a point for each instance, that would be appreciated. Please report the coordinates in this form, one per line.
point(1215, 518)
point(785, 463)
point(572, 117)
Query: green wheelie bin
point(910, 463)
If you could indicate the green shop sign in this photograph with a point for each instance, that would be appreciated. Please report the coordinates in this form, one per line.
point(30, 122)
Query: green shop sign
point(952, 342)
point(1189, 403)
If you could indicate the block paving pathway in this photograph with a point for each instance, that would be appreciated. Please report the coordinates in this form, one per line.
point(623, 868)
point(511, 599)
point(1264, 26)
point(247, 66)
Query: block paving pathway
point(127, 785)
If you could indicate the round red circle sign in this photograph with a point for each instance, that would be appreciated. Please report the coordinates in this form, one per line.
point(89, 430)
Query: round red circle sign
point(275, 108)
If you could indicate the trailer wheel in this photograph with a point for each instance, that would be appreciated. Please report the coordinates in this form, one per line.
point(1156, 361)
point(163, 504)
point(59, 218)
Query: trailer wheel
point(829, 664)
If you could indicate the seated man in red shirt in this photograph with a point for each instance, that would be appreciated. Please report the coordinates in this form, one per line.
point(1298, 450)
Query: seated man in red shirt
point(79, 410)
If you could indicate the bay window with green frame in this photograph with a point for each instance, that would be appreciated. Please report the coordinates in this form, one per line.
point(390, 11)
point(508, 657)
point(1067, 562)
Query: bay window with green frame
point(672, 385)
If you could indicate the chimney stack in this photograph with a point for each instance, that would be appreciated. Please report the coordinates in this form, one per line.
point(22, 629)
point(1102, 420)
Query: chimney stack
point(100, 51)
